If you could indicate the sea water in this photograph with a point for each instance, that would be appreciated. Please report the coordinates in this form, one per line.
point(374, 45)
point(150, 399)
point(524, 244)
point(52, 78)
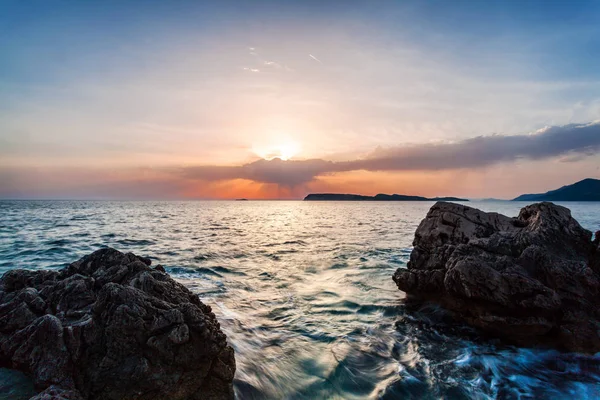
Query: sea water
point(304, 292)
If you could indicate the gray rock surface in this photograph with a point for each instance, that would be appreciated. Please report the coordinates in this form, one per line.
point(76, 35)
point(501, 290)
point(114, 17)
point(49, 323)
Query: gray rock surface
point(534, 279)
point(110, 327)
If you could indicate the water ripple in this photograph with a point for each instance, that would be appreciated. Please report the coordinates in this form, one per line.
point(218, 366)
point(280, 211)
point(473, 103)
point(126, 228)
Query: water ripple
point(304, 293)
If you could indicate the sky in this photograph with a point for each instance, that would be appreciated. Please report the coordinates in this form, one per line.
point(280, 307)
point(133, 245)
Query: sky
point(278, 99)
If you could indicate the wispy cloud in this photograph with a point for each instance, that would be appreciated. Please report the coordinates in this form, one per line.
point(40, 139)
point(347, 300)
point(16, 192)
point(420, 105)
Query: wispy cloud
point(315, 58)
point(265, 62)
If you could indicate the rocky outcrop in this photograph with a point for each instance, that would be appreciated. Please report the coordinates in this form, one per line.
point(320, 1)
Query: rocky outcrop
point(110, 327)
point(534, 279)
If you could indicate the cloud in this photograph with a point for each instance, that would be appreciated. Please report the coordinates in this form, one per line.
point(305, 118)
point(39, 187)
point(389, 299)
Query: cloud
point(569, 141)
point(284, 173)
point(315, 58)
point(486, 150)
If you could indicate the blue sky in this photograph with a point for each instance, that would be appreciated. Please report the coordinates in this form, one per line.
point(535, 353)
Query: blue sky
point(38, 37)
point(162, 85)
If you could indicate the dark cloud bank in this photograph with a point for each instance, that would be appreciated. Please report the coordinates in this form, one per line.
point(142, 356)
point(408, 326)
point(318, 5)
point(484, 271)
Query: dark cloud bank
point(574, 141)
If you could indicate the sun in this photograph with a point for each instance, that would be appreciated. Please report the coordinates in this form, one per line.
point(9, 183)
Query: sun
point(284, 151)
point(288, 150)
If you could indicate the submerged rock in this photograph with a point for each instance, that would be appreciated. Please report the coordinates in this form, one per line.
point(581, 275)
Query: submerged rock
point(534, 279)
point(111, 327)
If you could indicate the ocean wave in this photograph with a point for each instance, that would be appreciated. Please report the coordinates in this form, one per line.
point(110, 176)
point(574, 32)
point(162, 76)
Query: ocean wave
point(135, 242)
point(307, 301)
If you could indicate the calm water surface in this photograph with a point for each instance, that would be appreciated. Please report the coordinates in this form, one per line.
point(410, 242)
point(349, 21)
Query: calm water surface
point(304, 292)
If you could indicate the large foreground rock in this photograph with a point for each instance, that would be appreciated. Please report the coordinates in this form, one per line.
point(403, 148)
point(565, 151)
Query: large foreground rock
point(110, 327)
point(534, 279)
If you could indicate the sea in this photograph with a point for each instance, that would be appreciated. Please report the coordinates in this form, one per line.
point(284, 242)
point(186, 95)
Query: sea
point(304, 292)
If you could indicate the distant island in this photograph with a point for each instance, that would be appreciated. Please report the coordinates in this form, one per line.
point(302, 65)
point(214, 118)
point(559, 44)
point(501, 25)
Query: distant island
point(585, 190)
point(379, 197)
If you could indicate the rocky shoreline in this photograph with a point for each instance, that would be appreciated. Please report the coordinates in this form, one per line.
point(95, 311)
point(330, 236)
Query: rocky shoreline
point(111, 327)
point(533, 279)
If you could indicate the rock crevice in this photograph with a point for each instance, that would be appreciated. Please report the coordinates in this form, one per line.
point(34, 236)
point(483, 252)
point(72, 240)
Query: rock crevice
point(110, 327)
point(534, 279)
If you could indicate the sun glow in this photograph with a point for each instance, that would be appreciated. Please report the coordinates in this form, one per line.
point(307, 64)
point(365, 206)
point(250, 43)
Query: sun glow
point(284, 151)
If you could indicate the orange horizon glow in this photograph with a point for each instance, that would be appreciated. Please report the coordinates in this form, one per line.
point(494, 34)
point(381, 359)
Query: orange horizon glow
point(157, 183)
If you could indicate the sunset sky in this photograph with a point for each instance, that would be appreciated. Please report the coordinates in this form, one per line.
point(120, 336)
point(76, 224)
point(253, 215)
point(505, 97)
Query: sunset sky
point(265, 99)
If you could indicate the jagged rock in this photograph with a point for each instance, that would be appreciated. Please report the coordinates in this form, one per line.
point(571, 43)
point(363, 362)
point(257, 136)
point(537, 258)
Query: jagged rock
point(110, 327)
point(534, 279)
